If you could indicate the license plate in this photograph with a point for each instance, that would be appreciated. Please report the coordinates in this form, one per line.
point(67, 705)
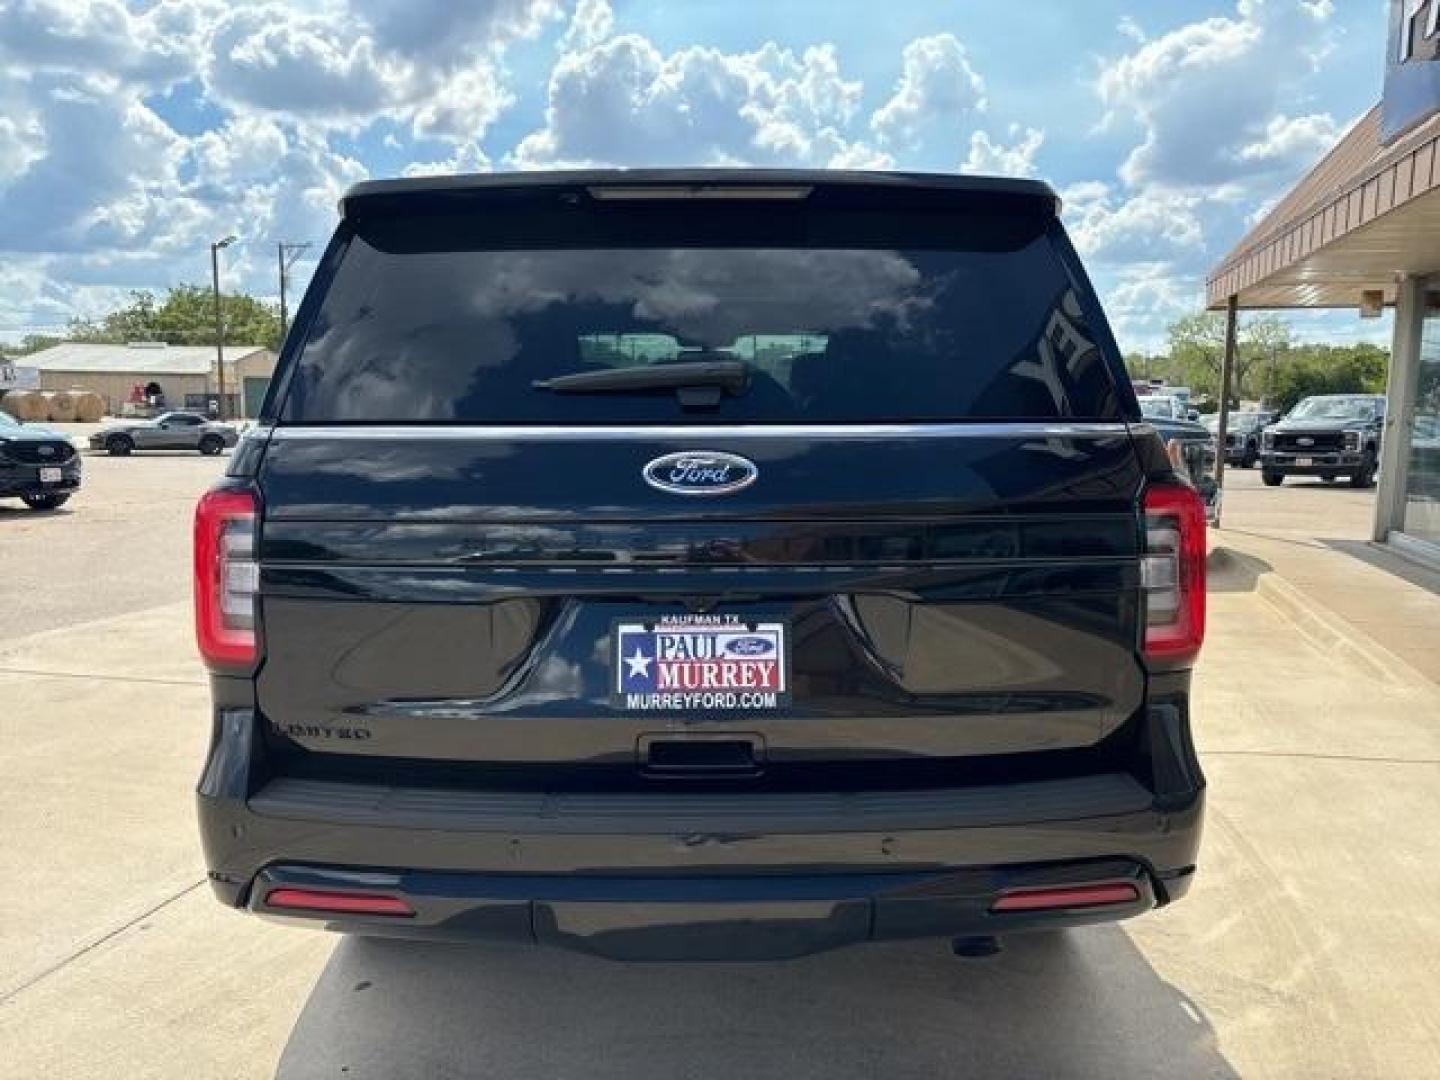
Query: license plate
point(700, 663)
point(1303, 461)
point(51, 476)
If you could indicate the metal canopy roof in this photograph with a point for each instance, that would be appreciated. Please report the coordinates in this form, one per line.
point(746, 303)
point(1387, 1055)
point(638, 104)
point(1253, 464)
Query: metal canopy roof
point(1364, 216)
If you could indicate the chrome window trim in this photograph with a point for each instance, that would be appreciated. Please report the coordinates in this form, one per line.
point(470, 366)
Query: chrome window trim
point(531, 433)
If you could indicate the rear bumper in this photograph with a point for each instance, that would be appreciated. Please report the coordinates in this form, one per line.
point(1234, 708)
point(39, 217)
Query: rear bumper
point(697, 875)
point(749, 917)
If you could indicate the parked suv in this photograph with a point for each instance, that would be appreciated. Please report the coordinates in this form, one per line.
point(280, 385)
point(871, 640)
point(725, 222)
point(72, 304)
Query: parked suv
point(1328, 436)
point(1242, 437)
point(700, 564)
point(38, 466)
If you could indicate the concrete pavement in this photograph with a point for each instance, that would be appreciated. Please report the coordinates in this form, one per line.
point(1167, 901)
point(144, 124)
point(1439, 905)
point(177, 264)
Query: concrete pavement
point(1309, 947)
point(1309, 541)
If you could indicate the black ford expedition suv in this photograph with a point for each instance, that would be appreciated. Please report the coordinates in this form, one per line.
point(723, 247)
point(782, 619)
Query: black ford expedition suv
point(700, 564)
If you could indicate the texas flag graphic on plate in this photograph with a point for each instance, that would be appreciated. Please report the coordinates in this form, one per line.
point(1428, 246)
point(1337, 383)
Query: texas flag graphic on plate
point(700, 662)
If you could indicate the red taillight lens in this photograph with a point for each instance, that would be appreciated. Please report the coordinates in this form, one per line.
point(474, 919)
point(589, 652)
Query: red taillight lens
point(1067, 896)
point(227, 577)
point(1172, 572)
point(337, 903)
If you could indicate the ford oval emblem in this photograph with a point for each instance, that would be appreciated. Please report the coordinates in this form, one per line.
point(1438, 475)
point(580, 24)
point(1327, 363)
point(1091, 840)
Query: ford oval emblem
point(1304, 440)
point(700, 472)
point(750, 646)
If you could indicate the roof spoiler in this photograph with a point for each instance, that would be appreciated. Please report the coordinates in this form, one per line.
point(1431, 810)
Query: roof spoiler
point(933, 190)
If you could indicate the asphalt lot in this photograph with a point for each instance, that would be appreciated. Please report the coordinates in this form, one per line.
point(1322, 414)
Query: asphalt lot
point(1310, 946)
point(111, 549)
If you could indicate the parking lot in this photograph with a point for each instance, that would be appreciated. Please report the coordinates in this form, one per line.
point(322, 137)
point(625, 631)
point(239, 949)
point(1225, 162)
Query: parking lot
point(1310, 945)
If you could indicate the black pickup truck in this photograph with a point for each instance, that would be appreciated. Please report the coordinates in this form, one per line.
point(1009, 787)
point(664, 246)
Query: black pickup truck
point(1329, 436)
point(700, 563)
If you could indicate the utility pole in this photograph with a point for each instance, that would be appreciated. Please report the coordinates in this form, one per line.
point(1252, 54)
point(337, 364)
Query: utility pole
point(219, 319)
point(1227, 371)
point(285, 256)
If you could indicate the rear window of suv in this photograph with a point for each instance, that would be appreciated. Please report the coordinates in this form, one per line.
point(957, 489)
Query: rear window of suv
point(436, 322)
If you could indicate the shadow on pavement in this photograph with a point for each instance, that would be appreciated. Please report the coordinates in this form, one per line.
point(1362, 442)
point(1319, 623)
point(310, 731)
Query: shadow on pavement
point(1381, 559)
point(141, 455)
point(20, 512)
point(1227, 570)
point(1080, 1004)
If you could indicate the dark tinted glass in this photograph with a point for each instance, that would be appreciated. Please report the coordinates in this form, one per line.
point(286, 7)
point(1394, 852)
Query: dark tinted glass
point(830, 334)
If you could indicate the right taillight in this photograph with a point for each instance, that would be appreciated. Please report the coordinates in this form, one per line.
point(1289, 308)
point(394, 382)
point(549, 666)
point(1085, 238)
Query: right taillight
point(227, 577)
point(1172, 572)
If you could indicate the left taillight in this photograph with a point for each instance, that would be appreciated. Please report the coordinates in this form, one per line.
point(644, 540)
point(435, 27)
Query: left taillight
point(227, 577)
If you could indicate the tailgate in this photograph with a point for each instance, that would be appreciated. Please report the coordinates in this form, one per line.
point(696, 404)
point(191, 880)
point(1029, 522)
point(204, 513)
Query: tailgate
point(459, 594)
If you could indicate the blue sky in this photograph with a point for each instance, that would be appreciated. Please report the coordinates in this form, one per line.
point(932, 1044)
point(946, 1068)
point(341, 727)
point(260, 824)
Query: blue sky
point(132, 134)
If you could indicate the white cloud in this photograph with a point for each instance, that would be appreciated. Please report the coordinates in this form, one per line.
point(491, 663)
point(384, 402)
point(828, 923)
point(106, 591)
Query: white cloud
point(280, 59)
point(448, 32)
point(625, 102)
point(103, 153)
point(101, 37)
point(988, 157)
point(468, 158)
point(433, 63)
point(241, 151)
point(1208, 92)
point(937, 92)
point(463, 106)
point(1142, 299)
point(22, 142)
point(592, 23)
point(1293, 138)
point(1146, 227)
point(1225, 124)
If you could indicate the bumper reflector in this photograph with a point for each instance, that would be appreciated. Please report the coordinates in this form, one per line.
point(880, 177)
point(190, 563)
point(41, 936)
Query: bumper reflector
point(338, 903)
point(1066, 896)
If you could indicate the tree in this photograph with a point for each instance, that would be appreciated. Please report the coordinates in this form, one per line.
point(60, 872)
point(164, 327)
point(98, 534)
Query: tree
point(1329, 369)
point(1265, 342)
point(185, 317)
point(1146, 365)
point(1197, 352)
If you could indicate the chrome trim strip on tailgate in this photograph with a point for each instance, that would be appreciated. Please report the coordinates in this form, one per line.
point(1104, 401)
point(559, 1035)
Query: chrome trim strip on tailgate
point(1020, 429)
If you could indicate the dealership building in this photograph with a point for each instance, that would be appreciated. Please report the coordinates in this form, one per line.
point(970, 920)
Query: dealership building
point(1362, 232)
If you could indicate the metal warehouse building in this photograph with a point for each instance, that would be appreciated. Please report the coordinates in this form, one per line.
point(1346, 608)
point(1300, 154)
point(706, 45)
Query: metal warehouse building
point(185, 374)
point(1362, 231)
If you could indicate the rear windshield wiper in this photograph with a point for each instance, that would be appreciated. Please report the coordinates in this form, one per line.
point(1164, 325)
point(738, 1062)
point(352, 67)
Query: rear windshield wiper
point(699, 384)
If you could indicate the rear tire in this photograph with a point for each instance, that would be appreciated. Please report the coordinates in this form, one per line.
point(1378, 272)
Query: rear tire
point(1272, 479)
point(119, 445)
point(210, 445)
point(50, 500)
